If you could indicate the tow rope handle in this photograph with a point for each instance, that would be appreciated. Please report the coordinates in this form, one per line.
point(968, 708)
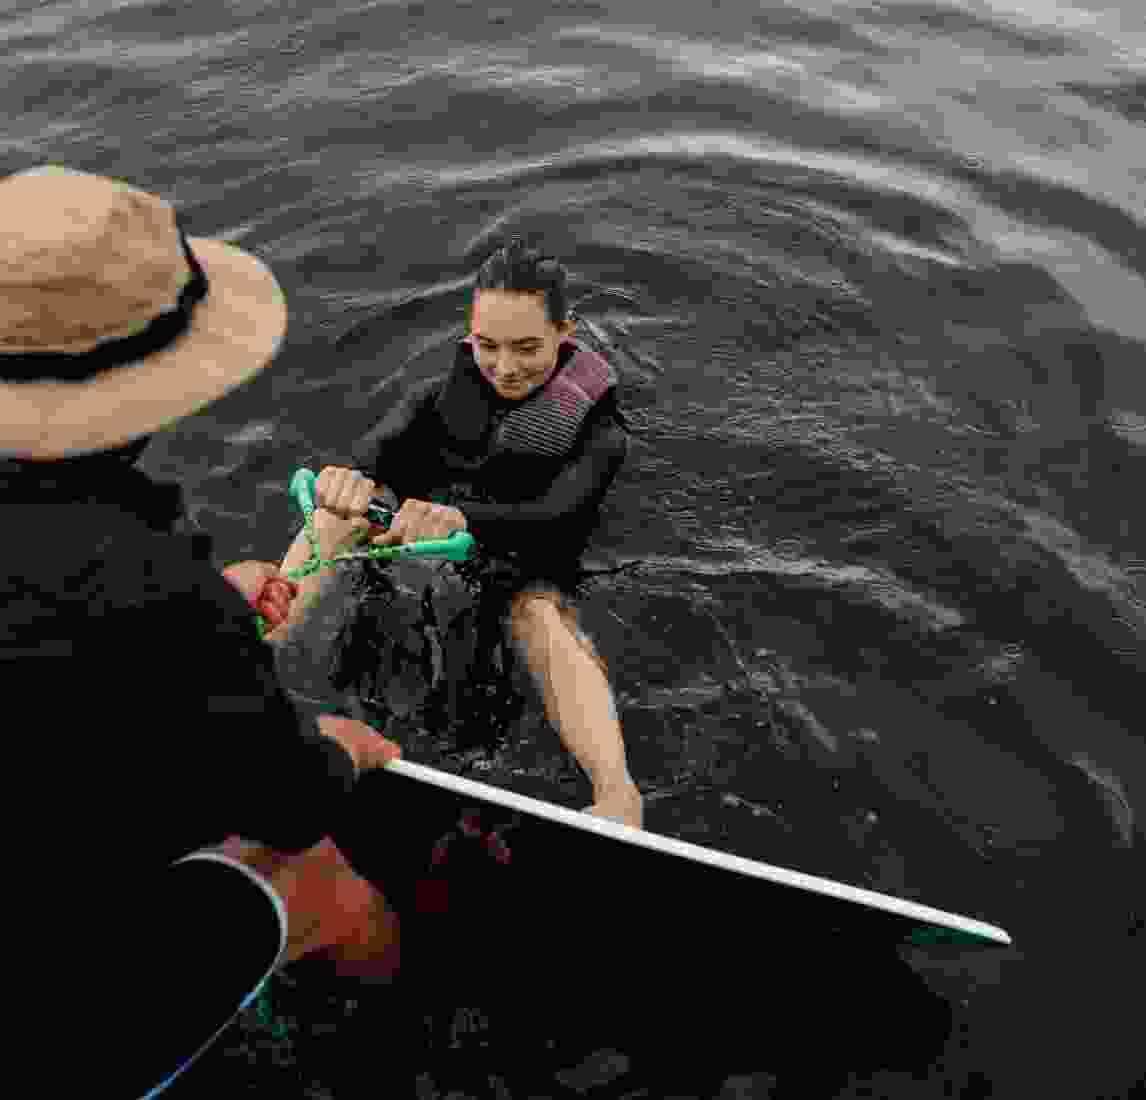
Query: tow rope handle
point(458, 547)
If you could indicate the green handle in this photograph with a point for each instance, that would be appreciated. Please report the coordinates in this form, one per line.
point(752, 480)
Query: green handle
point(302, 488)
point(457, 547)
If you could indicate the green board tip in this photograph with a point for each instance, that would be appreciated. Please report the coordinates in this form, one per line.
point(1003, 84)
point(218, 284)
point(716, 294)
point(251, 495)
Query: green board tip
point(931, 934)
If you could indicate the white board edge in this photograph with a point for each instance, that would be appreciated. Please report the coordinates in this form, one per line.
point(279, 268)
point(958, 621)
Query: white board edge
point(697, 853)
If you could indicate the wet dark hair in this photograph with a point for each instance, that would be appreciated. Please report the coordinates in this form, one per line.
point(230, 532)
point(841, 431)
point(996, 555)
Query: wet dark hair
point(514, 267)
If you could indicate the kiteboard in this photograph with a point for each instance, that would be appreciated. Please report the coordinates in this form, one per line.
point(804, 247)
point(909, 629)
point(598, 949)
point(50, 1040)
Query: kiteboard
point(555, 868)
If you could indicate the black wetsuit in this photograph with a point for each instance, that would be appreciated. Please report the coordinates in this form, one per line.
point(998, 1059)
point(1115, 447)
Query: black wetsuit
point(535, 511)
point(419, 649)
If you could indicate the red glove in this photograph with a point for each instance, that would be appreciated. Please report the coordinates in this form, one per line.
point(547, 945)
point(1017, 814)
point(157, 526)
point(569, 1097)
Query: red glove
point(264, 588)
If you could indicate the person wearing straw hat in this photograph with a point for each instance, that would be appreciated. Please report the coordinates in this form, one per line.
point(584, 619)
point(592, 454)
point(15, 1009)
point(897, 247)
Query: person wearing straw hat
point(197, 800)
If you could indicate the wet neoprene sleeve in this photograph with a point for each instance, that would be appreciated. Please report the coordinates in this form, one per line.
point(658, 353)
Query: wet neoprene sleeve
point(399, 448)
point(393, 453)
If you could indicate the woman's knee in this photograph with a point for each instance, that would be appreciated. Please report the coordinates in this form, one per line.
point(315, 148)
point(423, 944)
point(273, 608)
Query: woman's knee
point(528, 613)
point(532, 609)
point(533, 604)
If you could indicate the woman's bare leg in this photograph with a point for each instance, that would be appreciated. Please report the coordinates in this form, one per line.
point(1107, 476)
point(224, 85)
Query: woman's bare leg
point(578, 702)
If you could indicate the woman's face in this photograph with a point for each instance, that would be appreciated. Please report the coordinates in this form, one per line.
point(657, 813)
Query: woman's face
point(515, 341)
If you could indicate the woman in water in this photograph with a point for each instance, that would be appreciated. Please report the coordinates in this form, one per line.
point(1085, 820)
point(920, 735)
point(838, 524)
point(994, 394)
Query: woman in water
point(518, 444)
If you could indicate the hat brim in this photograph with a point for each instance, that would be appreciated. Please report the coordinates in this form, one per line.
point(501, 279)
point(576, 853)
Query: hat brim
point(234, 333)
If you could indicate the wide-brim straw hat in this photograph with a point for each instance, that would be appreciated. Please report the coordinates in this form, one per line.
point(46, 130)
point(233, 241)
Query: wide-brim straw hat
point(114, 323)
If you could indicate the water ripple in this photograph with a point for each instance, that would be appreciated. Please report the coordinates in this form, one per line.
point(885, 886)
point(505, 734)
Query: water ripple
point(730, 62)
point(875, 587)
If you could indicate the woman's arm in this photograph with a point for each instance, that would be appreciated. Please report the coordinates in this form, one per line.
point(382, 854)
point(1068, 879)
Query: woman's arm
point(394, 453)
point(567, 507)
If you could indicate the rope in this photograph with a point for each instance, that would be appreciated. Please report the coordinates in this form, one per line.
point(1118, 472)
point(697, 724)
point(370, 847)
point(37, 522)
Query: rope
point(458, 547)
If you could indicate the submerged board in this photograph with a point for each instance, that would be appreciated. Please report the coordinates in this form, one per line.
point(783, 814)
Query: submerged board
point(570, 874)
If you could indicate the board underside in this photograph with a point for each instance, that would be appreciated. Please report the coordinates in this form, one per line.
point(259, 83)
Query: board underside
point(593, 880)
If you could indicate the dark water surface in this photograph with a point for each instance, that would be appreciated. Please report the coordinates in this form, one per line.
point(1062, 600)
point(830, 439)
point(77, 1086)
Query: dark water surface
point(873, 278)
